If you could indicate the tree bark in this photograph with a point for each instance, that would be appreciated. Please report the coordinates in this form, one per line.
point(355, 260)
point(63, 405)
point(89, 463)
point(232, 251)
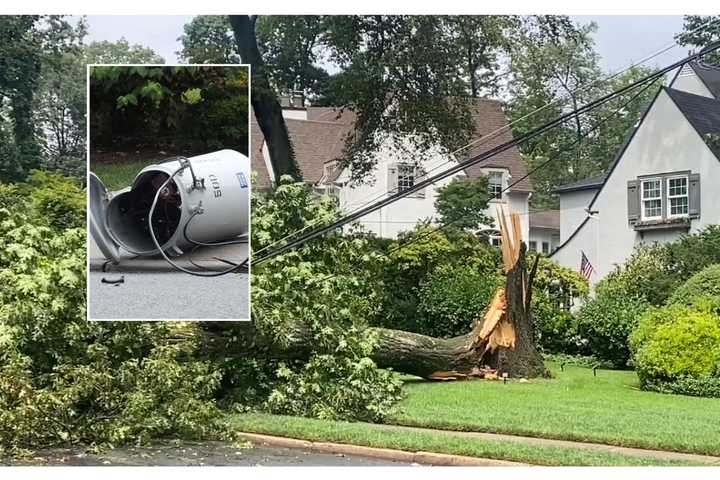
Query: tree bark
point(268, 111)
point(409, 352)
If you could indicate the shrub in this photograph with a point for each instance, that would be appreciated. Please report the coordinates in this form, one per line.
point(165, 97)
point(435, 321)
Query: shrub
point(704, 283)
point(554, 290)
point(56, 200)
point(677, 347)
point(606, 322)
point(452, 296)
point(692, 253)
point(645, 274)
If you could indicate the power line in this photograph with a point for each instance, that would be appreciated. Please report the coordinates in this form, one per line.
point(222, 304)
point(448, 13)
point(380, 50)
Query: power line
point(479, 158)
point(559, 101)
point(542, 165)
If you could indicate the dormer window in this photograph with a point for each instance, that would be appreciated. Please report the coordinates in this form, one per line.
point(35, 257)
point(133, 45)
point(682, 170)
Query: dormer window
point(495, 184)
point(405, 177)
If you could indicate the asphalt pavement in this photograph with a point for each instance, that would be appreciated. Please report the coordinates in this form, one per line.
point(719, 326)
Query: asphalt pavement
point(197, 454)
point(151, 289)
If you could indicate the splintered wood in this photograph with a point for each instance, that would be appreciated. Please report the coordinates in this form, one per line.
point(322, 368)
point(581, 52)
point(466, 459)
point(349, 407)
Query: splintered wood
point(497, 329)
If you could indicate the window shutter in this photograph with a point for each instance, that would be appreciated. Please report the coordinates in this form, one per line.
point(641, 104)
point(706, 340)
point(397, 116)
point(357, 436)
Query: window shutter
point(392, 182)
point(694, 194)
point(633, 201)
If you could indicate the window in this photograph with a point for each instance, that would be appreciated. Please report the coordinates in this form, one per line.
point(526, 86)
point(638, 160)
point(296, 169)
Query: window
point(651, 199)
point(532, 246)
point(406, 177)
point(546, 247)
point(677, 194)
point(495, 184)
point(495, 241)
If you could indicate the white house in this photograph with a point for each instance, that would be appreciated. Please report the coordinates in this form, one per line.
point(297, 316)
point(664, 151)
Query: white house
point(318, 135)
point(544, 231)
point(664, 182)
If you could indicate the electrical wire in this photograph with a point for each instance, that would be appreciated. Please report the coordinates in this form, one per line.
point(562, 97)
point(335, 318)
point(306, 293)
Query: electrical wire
point(162, 252)
point(507, 127)
point(542, 165)
point(482, 157)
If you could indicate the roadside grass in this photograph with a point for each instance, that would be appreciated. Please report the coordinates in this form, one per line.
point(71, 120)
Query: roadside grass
point(574, 405)
point(381, 436)
point(116, 176)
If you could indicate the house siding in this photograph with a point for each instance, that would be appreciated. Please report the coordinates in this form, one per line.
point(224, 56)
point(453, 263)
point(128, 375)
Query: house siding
point(665, 142)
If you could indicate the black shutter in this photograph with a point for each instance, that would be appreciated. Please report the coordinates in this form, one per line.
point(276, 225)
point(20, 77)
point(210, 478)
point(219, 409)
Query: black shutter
point(694, 195)
point(633, 201)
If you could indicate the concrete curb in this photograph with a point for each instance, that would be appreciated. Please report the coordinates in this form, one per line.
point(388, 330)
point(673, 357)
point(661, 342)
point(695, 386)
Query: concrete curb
point(424, 458)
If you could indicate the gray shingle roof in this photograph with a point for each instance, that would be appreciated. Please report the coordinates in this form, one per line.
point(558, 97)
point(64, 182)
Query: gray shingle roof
point(710, 76)
point(702, 112)
point(548, 219)
point(585, 184)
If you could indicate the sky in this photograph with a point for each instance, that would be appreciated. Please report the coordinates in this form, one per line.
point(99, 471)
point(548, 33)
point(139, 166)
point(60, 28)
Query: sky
point(620, 40)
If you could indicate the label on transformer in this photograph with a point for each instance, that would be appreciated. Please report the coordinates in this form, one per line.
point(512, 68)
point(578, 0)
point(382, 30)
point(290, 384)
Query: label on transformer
point(241, 178)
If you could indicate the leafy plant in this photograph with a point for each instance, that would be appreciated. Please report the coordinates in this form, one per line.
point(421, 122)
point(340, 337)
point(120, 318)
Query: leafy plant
point(704, 283)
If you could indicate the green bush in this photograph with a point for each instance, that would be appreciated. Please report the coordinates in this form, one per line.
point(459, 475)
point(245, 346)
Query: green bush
point(705, 386)
point(645, 274)
point(452, 296)
point(675, 342)
point(692, 253)
point(56, 200)
point(65, 380)
point(554, 290)
point(606, 322)
point(704, 283)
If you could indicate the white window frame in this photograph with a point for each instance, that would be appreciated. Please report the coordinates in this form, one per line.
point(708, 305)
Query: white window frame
point(532, 245)
point(403, 176)
point(643, 199)
point(545, 248)
point(686, 196)
point(491, 190)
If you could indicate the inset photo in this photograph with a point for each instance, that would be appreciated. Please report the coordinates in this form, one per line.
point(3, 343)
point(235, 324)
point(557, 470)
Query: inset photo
point(168, 192)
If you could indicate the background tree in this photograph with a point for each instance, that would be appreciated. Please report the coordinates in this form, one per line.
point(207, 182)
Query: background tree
point(26, 43)
point(119, 52)
point(699, 31)
point(209, 39)
point(462, 204)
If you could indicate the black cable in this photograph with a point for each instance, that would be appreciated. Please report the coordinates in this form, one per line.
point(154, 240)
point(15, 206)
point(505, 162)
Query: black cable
point(542, 165)
point(157, 244)
point(481, 157)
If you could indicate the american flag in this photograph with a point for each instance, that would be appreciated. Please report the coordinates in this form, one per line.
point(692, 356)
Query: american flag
point(586, 268)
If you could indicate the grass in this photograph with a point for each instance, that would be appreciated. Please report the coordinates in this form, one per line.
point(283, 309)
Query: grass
point(388, 437)
point(119, 175)
point(575, 405)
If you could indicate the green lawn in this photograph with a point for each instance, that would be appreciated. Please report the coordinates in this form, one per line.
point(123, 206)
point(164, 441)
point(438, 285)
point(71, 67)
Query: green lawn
point(575, 405)
point(119, 175)
point(388, 437)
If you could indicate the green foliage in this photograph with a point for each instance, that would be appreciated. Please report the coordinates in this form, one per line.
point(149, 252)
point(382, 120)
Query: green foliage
point(336, 387)
point(64, 380)
point(452, 296)
point(554, 290)
point(120, 51)
point(322, 286)
point(606, 322)
point(677, 342)
point(209, 39)
point(692, 253)
point(56, 200)
point(704, 283)
point(462, 204)
point(179, 108)
point(646, 274)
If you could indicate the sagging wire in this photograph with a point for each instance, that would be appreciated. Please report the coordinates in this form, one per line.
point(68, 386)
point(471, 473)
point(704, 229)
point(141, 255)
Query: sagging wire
point(235, 268)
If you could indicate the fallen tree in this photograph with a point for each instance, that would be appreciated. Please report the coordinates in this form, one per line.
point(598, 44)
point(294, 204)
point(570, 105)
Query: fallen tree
point(500, 341)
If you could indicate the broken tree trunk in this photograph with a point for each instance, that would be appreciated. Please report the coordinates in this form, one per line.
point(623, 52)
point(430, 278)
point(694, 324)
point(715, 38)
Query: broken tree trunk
point(501, 341)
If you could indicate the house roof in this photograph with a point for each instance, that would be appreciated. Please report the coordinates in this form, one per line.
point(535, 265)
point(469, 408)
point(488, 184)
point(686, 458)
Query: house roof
point(548, 219)
point(314, 144)
point(585, 184)
point(709, 75)
point(702, 112)
point(321, 139)
point(491, 127)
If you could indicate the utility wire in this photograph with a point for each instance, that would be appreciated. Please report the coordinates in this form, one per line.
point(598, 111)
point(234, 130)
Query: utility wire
point(542, 165)
point(482, 157)
point(559, 101)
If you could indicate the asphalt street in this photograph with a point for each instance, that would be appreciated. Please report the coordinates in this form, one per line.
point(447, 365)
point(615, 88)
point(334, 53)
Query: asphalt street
point(168, 296)
point(198, 454)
